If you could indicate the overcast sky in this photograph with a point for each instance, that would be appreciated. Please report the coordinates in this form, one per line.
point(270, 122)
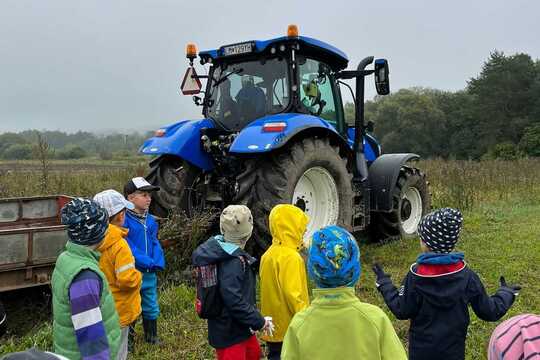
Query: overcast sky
point(105, 65)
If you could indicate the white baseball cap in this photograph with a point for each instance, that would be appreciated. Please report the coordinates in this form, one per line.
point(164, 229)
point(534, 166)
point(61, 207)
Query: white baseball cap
point(112, 201)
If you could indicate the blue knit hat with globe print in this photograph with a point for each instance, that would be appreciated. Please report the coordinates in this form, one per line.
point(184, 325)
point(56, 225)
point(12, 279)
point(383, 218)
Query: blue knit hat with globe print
point(334, 258)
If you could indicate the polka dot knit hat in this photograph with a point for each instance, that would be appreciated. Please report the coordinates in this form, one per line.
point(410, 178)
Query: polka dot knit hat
point(440, 229)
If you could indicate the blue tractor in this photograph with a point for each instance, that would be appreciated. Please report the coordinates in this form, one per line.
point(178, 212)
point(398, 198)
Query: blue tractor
point(274, 131)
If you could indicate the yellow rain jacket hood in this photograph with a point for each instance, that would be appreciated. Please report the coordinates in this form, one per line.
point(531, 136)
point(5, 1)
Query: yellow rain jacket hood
point(284, 290)
point(118, 265)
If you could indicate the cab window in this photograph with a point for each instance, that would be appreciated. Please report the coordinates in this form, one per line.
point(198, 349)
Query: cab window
point(316, 90)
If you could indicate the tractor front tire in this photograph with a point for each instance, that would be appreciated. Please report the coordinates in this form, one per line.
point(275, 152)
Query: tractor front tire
point(309, 173)
point(411, 200)
point(176, 179)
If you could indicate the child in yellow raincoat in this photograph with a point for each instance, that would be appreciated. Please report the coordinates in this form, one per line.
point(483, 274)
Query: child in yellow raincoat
point(284, 290)
point(118, 265)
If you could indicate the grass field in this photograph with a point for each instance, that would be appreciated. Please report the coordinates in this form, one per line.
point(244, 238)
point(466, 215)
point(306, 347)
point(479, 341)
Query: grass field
point(500, 201)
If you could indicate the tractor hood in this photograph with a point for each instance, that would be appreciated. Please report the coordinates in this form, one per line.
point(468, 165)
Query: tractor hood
point(181, 139)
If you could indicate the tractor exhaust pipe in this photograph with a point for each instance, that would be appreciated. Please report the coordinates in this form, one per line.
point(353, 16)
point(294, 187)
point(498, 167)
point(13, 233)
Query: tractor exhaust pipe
point(360, 165)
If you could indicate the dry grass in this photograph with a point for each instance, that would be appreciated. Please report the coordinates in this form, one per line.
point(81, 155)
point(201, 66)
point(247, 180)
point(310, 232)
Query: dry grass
point(469, 184)
point(500, 200)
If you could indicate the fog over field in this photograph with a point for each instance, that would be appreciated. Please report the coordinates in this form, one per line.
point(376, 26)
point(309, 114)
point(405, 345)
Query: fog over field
point(96, 65)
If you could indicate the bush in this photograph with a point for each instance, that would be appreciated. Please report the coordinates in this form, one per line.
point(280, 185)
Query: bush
point(530, 142)
point(18, 152)
point(504, 151)
point(182, 234)
point(71, 152)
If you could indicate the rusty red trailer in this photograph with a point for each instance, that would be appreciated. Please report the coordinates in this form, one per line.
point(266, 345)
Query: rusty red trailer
point(31, 238)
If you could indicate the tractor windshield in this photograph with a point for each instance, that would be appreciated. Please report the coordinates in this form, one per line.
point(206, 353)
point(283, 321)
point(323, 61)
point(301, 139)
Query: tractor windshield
point(244, 91)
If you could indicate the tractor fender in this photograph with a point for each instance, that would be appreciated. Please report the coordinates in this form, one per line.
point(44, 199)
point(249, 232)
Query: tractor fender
point(383, 175)
point(181, 139)
point(254, 139)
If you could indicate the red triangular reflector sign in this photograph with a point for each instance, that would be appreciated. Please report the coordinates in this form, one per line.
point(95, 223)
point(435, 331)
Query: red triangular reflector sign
point(191, 84)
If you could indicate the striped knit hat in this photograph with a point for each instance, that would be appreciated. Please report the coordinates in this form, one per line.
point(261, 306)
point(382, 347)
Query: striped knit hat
point(516, 338)
point(440, 229)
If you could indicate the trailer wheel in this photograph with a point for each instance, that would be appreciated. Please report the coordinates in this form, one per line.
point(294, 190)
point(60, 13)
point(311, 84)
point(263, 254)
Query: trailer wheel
point(411, 201)
point(179, 184)
point(310, 174)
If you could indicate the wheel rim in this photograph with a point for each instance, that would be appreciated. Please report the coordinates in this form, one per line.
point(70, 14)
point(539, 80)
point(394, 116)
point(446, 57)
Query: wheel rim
point(411, 210)
point(316, 193)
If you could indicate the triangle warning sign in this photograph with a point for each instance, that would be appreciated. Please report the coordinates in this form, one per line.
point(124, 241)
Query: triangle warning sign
point(191, 84)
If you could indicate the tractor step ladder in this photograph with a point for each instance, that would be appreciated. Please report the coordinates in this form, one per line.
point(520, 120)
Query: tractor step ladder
point(360, 216)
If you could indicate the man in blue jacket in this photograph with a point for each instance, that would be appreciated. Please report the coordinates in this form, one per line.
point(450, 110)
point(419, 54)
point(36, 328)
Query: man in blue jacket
point(146, 249)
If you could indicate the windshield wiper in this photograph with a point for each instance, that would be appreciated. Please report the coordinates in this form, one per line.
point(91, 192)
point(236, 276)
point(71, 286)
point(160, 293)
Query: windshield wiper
point(224, 77)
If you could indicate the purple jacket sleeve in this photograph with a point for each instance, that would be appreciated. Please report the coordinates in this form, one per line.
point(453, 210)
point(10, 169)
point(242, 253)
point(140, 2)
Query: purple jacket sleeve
point(84, 297)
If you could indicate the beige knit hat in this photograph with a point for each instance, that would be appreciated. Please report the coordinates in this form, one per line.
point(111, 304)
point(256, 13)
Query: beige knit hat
point(236, 224)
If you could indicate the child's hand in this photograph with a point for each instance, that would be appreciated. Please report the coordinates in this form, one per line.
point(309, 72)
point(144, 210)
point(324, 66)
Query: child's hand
point(268, 327)
point(514, 288)
point(378, 270)
point(379, 273)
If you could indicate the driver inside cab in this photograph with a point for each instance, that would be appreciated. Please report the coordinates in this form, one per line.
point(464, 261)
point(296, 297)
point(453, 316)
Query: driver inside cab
point(229, 108)
point(251, 100)
point(312, 96)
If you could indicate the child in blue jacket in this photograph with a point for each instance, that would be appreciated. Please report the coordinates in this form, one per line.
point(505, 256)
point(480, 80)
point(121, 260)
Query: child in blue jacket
point(146, 249)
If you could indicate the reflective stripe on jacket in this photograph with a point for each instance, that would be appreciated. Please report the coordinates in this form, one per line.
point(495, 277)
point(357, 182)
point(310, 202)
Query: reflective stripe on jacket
point(118, 265)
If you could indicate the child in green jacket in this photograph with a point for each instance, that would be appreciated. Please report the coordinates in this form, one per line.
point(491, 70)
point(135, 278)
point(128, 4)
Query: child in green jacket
point(337, 325)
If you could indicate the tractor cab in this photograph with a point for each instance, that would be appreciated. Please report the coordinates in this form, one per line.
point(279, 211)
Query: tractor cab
point(290, 74)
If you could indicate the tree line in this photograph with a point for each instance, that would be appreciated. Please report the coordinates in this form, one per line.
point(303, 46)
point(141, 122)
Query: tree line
point(497, 115)
point(24, 145)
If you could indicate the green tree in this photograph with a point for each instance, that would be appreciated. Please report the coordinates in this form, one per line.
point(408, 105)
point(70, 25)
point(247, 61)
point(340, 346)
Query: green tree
point(504, 151)
point(71, 152)
point(502, 99)
point(8, 139)
point(409, 121)
point(530, 142)
point(18, 152)
point(460, 124)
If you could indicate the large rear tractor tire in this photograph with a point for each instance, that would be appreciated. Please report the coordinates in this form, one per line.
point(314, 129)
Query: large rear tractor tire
point(309, 173)
point(178, 182)
point(411, 201)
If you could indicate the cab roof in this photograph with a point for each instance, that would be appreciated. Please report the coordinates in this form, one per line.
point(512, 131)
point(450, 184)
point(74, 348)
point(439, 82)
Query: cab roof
point(328, 53)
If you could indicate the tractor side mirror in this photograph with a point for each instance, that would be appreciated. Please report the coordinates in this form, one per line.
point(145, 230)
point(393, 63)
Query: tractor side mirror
point(382, 82)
